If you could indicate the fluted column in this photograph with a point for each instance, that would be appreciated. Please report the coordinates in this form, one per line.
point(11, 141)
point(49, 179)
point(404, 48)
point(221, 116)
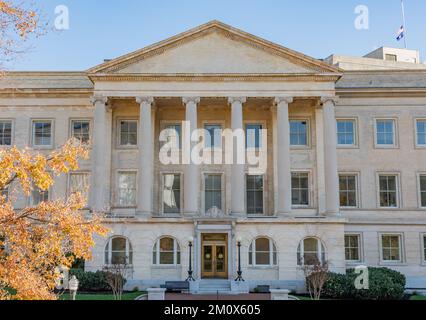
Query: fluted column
point(100, 195)
point(330, 156)
point(146, 157)
point(283, 158)
point(192, 172)
point(237, 172)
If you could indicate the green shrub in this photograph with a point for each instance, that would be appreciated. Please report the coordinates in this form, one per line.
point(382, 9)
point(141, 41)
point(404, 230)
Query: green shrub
point(384, 283)
point(91, 281)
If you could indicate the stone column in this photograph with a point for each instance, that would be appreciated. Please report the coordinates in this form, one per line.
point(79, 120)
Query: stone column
point(237, 171)
point(330, 156)
point(146, 157)
point(192, 172)
point(100, 195)
point(283, 158)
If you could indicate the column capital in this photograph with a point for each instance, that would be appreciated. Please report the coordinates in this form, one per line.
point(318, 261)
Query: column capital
point(143, 99)
point(279, 100)
point(99, 99)
point(195, 100)
point(232, 100)
point(332, 99)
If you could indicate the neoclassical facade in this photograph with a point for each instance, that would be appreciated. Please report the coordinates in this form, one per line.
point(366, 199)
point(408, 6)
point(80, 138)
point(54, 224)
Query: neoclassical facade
point(341, 178)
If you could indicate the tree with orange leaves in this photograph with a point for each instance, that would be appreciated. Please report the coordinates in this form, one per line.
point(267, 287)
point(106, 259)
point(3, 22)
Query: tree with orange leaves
point(18, 21)
point(36, 241)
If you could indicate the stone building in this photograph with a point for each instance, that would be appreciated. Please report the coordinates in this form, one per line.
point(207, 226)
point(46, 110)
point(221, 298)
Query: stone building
point(343, 180)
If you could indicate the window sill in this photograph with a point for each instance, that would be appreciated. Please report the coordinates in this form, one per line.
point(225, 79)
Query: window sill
point(164, 267)
point(354, 263)
point(392, 264)
point(341, 146)
point(128, 148)
point(263, 268)
point(378, 147)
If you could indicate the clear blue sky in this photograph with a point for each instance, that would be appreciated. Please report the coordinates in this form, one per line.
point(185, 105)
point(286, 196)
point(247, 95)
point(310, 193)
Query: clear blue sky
point(104, 29)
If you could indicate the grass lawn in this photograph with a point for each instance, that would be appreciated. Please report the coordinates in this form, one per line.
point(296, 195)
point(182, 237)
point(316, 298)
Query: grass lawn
point(105, 296)
point(418, 298)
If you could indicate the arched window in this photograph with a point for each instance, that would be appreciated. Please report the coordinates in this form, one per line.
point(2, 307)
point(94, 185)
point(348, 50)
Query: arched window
point(263, 252)
point(118, 251)
point(166, 252)
point(311, 251)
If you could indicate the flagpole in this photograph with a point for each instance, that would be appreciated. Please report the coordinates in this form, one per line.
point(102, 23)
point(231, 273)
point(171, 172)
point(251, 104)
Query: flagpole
point(403, 21)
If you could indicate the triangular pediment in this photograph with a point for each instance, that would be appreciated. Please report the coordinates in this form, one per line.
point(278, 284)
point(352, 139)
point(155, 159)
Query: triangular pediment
point(214, 48)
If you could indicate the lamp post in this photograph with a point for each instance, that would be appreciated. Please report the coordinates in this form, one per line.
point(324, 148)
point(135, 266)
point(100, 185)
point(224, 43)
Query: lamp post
point(239, 272)
point(190, 271)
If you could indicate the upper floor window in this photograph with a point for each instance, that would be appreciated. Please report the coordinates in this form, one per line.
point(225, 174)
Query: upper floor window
point(128, 133)
point(80, 129)
point(213, 137)
point(385, 133)
point(348, 190)
point(79, 182)
point(118, 251)
point(254, 186)
point(5, 133)
point(213, 191)
point(166, 252)
point(171, 193)
point(422, 185)
point(391, 245)
point(253, 136)
point(42, 133)
point(299, 133)
point(300, 188)
point(421, 133)
point(353, 247)
point(173, 134)
point(310, 252)
point(38, 196)
point(346, 132)
point(388, 185)
point(263, 252)
point(127, 189)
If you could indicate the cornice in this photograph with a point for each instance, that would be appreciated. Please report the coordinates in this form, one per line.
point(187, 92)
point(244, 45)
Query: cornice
point(214, 77)
point(381, 92)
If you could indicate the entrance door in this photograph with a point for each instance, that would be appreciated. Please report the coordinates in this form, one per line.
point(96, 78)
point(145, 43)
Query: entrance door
point(215, 258)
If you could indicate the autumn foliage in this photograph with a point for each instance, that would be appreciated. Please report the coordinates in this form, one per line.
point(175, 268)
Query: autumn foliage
point(35, 241)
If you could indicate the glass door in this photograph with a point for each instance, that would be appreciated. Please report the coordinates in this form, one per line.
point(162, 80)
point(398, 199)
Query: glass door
point(214, 261)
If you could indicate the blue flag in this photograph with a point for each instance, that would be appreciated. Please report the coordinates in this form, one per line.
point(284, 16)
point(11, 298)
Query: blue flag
point(400, 34)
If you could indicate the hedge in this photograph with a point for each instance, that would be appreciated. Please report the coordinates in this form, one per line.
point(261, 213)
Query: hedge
point(384, 283)
point(91, 281)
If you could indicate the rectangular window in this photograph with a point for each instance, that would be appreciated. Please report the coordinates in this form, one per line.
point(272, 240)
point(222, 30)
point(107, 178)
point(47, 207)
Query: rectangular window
point(348, 190)
point(80, 182)
point(388, 191)
point(421, 133)
point(42, 133)
point(300, 189)
point(422, 184)
point(5, 193)
point(127, 189)
point(353, 247)
point(385, 131)
point(171, 193)
point(299, 133)
point(346, 132)
point(424, 248)
point(253, 136)
point(38, 196)
point(213, 137)
point(128, 133)
point(254, 185)
point(80, 130)
point(173, 135)
point(391, 57)
point(391, 248)
point(5, 133)
point(213, 191)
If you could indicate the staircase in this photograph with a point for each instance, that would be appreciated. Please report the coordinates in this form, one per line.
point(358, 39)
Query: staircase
point(214, 287)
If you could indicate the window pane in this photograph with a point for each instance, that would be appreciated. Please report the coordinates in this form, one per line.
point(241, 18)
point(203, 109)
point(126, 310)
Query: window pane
point(385, 132)
point(346, 132)
point(253, 136)
point(80, 182)
point(127, 189)
point(263, 258)
point(5, 133)
point(167, 244)
point(128, 132)
point(171, 193)
point(352, 248)
point(262, 244)
point(42, 133)
point(311, 244)
point(213, 191)
point(213, 137)
point(118, 244)
point(391, 248)
point(388, 191)
point(348, 190)
point(300, 189)
point(81, 130)
point(298, 133)
point(421, 132)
